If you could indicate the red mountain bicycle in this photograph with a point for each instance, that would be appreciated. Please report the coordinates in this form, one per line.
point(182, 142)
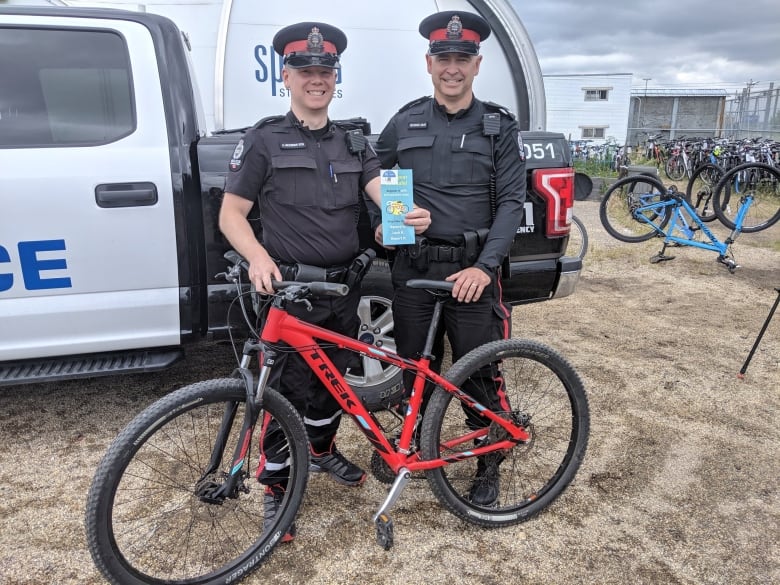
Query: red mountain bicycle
point(174, 499)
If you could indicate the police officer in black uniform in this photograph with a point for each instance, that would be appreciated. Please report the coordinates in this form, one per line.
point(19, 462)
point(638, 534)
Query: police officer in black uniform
point(469, 170)
point(307, 174)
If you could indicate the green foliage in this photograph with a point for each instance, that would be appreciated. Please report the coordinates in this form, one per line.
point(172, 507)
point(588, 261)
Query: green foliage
point(594, 168)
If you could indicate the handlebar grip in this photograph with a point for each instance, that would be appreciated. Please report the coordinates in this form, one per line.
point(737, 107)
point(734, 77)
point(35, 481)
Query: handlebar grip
point(331, 289)
point(235, 258)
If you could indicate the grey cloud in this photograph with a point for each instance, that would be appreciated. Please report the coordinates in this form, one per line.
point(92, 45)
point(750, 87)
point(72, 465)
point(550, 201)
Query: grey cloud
point(720, 41)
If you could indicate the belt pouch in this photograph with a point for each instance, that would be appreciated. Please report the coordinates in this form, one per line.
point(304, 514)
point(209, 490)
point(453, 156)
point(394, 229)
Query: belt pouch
point(360, 265)
point(307, 273)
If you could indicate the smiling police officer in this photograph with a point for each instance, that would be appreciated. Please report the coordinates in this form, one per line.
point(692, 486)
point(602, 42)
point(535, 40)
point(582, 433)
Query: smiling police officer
point(307, 174)
point(469, 170)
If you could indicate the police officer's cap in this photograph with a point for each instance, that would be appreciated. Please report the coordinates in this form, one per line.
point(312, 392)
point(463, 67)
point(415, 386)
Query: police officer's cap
point(454, 31)
point(309, 44)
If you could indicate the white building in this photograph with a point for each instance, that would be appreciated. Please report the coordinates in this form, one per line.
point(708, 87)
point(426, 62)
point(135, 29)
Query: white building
point(589, 106)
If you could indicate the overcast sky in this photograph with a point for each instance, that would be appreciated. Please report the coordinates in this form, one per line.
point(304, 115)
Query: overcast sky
point(720, 44)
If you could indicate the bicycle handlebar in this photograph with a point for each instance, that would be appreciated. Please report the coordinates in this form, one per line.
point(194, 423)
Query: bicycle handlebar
point(332, 289)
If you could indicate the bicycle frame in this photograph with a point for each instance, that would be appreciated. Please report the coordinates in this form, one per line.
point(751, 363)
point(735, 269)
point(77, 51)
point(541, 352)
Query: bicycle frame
point(280, 326)
point(676, 206)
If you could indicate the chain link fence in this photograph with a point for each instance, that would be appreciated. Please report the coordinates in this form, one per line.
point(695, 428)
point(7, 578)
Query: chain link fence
point(753, 114)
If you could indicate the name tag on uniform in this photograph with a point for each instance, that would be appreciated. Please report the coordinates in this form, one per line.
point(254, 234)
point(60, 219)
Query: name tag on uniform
point(292, 145)
point(418, 125)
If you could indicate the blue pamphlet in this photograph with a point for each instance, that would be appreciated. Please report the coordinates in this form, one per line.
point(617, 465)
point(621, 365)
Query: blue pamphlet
point(397, 201)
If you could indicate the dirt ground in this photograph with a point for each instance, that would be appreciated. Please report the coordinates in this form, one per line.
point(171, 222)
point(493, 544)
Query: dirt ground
point(679, 485)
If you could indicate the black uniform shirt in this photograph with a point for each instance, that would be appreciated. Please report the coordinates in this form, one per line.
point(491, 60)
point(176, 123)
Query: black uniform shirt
point(308, 189)
point(451, 163)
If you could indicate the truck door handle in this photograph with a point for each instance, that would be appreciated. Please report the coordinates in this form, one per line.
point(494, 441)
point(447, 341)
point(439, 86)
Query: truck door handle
point(126, 194)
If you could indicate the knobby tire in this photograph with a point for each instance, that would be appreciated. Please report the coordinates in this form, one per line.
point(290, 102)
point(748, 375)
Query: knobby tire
point(545, 392)
point(145, 524)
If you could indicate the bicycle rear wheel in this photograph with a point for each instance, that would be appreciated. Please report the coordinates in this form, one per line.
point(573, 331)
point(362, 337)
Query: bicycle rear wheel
point(147, 521)
point(700, 189)
point(759, 181)
point(546, 395)
point(675, 167)
point(621, 209)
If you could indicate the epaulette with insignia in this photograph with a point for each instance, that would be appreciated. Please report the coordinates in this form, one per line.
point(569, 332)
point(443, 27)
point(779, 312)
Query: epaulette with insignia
point(499, 108)
point(416, 102)
point(268, 120)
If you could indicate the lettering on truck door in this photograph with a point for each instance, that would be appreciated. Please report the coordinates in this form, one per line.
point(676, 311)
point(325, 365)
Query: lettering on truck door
point(87, 243)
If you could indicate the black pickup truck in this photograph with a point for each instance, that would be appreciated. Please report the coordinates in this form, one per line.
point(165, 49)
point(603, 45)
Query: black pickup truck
point(110, 192)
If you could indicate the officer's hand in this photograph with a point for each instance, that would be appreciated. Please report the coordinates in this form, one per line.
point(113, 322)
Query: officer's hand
point(378, 237)
point(419, 218)
point(262, 269)
point(469, 284)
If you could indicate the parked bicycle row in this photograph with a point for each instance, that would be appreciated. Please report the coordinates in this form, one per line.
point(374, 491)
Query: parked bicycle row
point(608, 155)
point(682, 156)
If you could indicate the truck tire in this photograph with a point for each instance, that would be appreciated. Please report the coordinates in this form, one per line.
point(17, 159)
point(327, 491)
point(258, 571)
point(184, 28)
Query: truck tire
point(379, 385)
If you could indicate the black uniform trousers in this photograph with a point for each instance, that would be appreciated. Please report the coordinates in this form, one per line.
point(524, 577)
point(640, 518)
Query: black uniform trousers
point(293, 378)
point(467, 326)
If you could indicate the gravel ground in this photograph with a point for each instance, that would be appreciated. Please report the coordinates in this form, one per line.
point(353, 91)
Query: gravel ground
point(679, 485)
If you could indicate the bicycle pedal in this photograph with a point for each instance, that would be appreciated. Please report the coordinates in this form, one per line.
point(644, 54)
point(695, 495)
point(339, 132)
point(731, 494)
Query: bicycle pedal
point(384, 531)
point(729, 263)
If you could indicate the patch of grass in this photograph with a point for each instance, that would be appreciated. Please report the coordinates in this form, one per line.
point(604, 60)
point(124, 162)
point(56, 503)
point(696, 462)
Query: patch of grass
point(624, 251)
point(594, 168)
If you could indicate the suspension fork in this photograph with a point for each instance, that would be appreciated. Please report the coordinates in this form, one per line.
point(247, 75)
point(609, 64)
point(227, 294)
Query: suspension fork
point(254, 402)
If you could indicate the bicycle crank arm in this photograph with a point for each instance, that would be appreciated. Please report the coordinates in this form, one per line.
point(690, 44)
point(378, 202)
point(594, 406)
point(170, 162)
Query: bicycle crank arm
point(400, 483)
point(383, 522)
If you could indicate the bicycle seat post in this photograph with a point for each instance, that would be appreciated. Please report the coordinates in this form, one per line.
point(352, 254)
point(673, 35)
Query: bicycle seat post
point(434, 326)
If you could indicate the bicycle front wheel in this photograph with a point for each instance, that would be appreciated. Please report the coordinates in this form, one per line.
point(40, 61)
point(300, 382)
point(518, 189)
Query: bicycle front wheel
point(700, 189)
point(148, 520)
point(759, 183)
point(621, 210)
point(544, 394)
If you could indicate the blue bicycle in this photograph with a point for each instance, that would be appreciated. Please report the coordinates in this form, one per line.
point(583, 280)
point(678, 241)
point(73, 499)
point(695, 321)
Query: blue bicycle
point(640, 207)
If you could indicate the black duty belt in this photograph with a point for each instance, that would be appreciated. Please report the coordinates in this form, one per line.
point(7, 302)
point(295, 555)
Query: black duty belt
point(433, 252)
point(425, 252)
point(443, 253)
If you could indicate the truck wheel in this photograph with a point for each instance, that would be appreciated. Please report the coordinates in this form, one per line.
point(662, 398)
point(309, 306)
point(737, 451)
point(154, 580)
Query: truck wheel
point(378, 385)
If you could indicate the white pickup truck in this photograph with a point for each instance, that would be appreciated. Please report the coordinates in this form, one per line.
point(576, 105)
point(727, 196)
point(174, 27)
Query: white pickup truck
point(110, 188)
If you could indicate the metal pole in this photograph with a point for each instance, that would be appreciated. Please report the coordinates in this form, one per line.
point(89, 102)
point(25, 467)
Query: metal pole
point(741, 374)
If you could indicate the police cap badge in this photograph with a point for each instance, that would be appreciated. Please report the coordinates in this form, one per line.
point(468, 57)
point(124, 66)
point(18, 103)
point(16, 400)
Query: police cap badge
point(307, 44)
point(454, 31)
